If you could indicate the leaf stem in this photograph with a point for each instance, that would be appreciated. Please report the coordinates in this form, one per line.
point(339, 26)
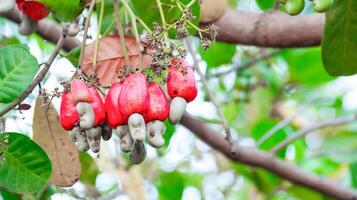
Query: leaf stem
point(86, 27)
point(98, 34)
point(121, 33)
point(159, 5)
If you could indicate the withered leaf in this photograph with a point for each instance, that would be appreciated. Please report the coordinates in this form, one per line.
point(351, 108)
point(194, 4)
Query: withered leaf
point(110, 59)
point(54, 140)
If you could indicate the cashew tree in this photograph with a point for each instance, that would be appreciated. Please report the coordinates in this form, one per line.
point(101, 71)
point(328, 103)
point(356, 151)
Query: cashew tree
point(178, 99)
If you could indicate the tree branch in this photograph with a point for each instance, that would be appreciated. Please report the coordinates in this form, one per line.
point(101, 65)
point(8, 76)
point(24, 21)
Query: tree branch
point(270, 29)
point(252, 156)
point(256, 158)
point(38, 78)
point(304, 131)
point(48, 28)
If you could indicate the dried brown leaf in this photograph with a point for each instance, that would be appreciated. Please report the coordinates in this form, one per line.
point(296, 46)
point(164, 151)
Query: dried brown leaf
point(110, 59)
point(54, 140)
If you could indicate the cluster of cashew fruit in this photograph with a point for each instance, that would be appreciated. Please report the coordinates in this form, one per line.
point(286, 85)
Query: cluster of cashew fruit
point(294, 7)
point(135, 108)
point(83, 114)
point(30, 13)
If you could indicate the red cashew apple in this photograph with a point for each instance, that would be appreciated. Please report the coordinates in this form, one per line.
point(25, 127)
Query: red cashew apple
point(68, 113)
point(157, 113)
point(134, 102)
point(69, 118)
point(116, 119)
point(32, 9)
point(181, 87)
point(30, 13)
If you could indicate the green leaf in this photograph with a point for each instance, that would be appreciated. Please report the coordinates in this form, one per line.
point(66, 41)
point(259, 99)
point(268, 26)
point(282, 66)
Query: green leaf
point(265, 4)
point(218, 54)
point(170, 130)
point(8, 195)
point(90, 169)
point(170, 186)
point(339, 46)
point(305, 66)
point(148, 11)
point(353, 174)
point(65, 10)
point(304, 193)
point(263, 126)
point(25, 167)
point(73, 56)
point(17, 69)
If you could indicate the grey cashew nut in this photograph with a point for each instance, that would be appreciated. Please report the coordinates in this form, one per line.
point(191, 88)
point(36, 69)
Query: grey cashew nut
point(154, 132)
point(138, 155)
point(6, 5)
point(177, 108)
point(82, 143)
point(27, 26)
point(86, 112)
point(126, 141)
point(93, 138)
point(72, 29)
point(106, 132)
point(136, 125)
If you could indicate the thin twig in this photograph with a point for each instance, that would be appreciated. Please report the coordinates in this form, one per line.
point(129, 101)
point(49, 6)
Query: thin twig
point(85, 33)
point(209, 92)
point(243, 66)
point(98, 34)
point(38, 78)
point(285, 122)
point(304, 131)
point(135, 32)
point(163, 20)
point(121, 33)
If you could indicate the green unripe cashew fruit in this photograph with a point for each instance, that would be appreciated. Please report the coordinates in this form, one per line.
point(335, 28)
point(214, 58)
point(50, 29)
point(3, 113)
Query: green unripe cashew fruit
point(293, 7)
point(322, 5)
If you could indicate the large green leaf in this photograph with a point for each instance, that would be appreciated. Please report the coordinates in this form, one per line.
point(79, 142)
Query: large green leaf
point(305, 66)
point(65, 10)
point(148, 11)
point(218, 54)
point(25, 167)
point(17, 69)
point(339, 46)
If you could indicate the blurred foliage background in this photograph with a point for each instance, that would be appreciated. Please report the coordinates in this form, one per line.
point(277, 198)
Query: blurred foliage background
point(288, 84)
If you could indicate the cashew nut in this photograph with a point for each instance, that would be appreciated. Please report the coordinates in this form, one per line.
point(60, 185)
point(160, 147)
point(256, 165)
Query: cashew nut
point(27, 26)
point(86, 112)
point(177, 108)
point(126, 141)
point(93, 138)
point(137, 127)
point(154, 132)
point(138, 155)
